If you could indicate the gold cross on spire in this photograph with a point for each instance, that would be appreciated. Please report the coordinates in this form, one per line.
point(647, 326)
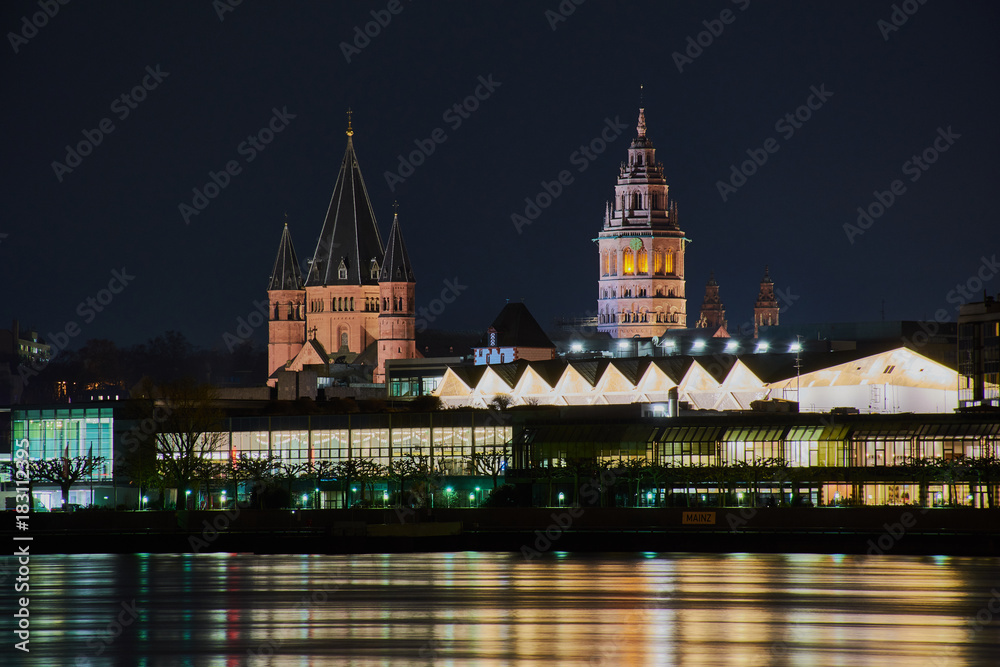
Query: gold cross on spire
point(350, 132)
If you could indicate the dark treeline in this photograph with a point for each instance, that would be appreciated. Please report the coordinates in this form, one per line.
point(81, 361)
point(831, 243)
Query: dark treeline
point(101, 367)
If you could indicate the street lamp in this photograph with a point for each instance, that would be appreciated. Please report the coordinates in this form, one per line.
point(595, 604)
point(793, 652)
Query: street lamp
point(447, 496)
point(385, 498)
point(649, 498)
point(472, 498)
point(562, 497)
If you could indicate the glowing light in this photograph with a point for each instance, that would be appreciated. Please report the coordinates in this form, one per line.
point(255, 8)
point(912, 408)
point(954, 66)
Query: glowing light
point(795, 347)
point(732, 345)
point(699, 345)
point(624, 345)
point(576, 347)
point(762, 346)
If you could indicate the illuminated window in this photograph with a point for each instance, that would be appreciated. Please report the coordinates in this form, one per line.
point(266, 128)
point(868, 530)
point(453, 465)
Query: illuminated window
point(614, 262)
point(607, 262)
point(669, 263)
point(658, 263)
point(628, 262)
point(643, 261)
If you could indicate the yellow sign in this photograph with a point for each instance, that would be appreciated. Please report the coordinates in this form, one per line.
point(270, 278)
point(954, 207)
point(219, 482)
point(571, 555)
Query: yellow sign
point(700, 518)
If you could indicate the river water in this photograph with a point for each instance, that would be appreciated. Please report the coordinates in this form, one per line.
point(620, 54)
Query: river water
point(457, 609)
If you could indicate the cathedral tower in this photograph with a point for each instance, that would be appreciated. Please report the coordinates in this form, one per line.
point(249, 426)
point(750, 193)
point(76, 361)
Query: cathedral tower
point(713, 313)
point(765, 310)
point(286, 307)
point(641, 250)
point(396, 320)
point(342, 292)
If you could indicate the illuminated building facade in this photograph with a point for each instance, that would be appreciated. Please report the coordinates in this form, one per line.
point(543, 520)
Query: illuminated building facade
point(349, 300)
point(641, 250)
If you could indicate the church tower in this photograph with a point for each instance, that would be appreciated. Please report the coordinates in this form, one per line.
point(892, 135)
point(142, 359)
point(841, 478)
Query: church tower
point(396, 320)
point(641, 250)
point(765, 310)
point(713, 313)
point(342, 291)
point(286, 307)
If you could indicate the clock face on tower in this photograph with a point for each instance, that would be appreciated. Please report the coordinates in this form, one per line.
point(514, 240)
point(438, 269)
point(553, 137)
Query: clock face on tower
point(635, 244)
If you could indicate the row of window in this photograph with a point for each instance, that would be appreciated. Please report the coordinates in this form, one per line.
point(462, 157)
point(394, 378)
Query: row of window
point(637, 292)
point(636, 262)
point(641, 317)
point(342, 444)
point(798, 453)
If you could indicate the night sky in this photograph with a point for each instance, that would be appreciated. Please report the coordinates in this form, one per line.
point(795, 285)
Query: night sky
point(886, 93)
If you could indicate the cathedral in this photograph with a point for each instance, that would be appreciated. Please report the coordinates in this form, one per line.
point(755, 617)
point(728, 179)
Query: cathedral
point(356, 304)
point(641, 288)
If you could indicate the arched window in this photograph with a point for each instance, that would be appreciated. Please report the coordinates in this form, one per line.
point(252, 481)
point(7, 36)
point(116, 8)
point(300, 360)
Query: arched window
point(605, 262)
point(374, 270)
point(342, 271)
point(344, 339)
point(669, 265)
point(643, 261)
point(628, 262)
point(658, 263)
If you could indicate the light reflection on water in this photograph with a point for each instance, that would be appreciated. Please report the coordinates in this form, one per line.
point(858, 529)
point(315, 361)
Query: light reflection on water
point(498, 609)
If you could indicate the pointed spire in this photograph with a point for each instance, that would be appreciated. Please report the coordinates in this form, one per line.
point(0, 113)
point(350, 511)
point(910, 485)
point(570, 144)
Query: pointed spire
point(286, 274)
point(397, 267)
point(767, 274)
point(641, 127)
point(350, 130)
point(349, 238)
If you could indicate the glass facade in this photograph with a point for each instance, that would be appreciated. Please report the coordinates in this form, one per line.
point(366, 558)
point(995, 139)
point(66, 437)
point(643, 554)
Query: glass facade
point(70, 432)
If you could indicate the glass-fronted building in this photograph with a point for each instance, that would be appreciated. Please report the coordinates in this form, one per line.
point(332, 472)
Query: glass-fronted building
point(69, 432)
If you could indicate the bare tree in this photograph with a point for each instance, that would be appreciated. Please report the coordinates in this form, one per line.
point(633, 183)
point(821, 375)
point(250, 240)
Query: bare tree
point(500, 402)
point(320, 470)
point(401, 470)
point(189, 435)
point(491, 462)
point(65, 471)
point(256, 469)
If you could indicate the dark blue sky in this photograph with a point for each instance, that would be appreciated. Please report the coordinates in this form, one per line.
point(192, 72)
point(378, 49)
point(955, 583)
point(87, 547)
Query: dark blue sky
point(554, 91)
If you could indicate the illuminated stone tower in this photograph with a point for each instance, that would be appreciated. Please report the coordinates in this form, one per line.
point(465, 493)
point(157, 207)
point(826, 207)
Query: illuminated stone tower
point(765, 310)
point(396, 320)
point(713, 313)
point(286, 312)
point(342, 291)
point(641, 250)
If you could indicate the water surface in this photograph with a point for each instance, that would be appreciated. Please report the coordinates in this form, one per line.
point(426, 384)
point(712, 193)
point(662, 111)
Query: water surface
point(224, 610)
